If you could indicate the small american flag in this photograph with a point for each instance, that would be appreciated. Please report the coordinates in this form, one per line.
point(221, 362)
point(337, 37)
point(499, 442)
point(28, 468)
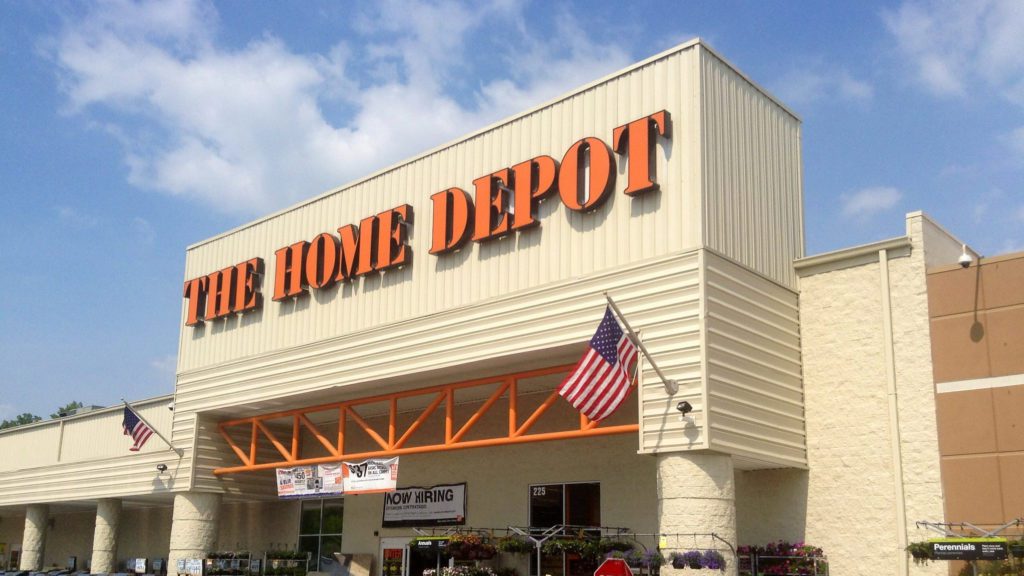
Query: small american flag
point(136, 428)
point(601, 380)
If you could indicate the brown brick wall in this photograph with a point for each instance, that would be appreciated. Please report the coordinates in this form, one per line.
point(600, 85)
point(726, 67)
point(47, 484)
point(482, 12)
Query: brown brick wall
point(977, 332)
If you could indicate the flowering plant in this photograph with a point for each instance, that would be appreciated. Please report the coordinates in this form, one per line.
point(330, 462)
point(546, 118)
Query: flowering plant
point(712, 559)
point(636, 559)
point(469, 547)
point(461, 571)
point(782, 557)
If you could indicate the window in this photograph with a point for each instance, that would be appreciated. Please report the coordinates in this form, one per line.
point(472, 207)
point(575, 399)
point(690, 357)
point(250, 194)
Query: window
point(576, 504)
point(320, 528)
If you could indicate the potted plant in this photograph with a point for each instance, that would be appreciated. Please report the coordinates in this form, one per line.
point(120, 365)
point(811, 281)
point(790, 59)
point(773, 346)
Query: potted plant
point(615, 545)
point(689, 559)
point(1017, 548)
point(713, 560)
point(920, 551)
point(515, 545)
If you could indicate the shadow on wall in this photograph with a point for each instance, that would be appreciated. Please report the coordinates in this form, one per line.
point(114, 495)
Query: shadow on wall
point(771, 505)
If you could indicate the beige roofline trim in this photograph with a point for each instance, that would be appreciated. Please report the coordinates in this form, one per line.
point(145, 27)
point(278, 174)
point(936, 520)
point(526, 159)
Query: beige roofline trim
point(853, 256)
point(90, 413)
point(695, 42)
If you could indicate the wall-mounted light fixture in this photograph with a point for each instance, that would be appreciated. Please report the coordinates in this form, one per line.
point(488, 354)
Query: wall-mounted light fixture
point(161, 468)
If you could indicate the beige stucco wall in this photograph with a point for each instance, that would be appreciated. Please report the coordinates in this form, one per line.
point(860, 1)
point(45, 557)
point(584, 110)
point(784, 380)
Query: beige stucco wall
point(497, 492)
point(498, 481)
point(69, 535)
point(259, 526)
point(144, 532)
point(12, 525)
point(851, 486)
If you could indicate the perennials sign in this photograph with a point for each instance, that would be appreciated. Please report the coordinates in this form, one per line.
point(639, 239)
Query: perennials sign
point(443, 505)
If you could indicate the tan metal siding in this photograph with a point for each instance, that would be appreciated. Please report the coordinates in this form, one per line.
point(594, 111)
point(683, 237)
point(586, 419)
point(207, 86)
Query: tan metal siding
point(94, 458)
point(89, 436)
point(659, 297)
point(104, 478)
point(754, 382)
point(566, 245)
point(752, 185)
point(29, 447)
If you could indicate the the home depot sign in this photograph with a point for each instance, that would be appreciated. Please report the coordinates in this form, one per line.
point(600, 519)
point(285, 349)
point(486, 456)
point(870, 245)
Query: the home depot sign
point(503, 201)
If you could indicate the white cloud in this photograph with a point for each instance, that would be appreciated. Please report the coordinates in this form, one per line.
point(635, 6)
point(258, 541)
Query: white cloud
point(816, 82)
point(950, 45)
point(868, 201)
point(246, 130)
point(73, 218)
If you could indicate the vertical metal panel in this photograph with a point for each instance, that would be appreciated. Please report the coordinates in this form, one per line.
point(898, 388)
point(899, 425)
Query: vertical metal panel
point(29, 447)
point(101, 435)
point(754, 381)
point(566, 245)
point(752, 189)
point(95, 454)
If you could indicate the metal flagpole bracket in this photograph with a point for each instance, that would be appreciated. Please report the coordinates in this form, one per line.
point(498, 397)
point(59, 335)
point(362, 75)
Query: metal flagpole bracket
point(170, 446)
point(671, 386)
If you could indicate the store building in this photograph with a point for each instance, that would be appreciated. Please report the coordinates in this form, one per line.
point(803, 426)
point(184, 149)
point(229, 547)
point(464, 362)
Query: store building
point(428, 311)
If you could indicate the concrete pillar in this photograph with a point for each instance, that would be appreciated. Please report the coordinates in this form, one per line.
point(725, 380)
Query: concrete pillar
point(697, 494)
point(194, 526)
point(254, 521)
point(37, 518)
point(104, 538)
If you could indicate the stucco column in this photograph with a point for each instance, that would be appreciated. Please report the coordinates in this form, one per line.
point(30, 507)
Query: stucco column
point(104, 538)
point(697, 494)
point(37, 516)
point(194, 526)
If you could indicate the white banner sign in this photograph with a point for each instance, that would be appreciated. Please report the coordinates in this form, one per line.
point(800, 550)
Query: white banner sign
point(373, 475)
point(309, 481)
point(443, 505)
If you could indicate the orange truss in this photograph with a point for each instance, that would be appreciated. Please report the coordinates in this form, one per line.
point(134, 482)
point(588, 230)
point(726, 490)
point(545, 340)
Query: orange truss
point(396, 442)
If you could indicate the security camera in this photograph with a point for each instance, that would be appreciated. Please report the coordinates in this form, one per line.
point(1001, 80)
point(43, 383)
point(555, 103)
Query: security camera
point(684, 407)
point(161, 468)
point(965, 259)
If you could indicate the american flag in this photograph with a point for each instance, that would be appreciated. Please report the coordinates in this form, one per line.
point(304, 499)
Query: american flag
point(601, 380)
point(136, 428)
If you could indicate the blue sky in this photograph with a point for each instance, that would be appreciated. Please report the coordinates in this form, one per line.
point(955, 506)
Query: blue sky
point(131, 130)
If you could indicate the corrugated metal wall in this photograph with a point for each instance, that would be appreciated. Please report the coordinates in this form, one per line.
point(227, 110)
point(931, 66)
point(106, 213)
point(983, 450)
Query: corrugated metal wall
point(94, 461)
point(566, 245)
point(754, 381)
point(659, 296)
point(753, 191)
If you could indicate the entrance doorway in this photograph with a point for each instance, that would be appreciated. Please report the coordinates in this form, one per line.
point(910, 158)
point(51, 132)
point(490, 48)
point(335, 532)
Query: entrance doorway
point(394, 554)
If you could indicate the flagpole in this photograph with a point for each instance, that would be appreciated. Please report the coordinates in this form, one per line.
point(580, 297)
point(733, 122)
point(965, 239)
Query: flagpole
point(177, 451)
point(671, 386)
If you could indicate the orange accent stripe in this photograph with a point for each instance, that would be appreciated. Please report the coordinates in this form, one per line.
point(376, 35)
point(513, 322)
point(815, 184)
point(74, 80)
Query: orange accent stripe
point(238, 451)
point(623, 429)
point(537, 413)
point(480, 412)
point(273, 440)
point(316, 434)
point(419, 421)
point(394, 445)
point(366, 428)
